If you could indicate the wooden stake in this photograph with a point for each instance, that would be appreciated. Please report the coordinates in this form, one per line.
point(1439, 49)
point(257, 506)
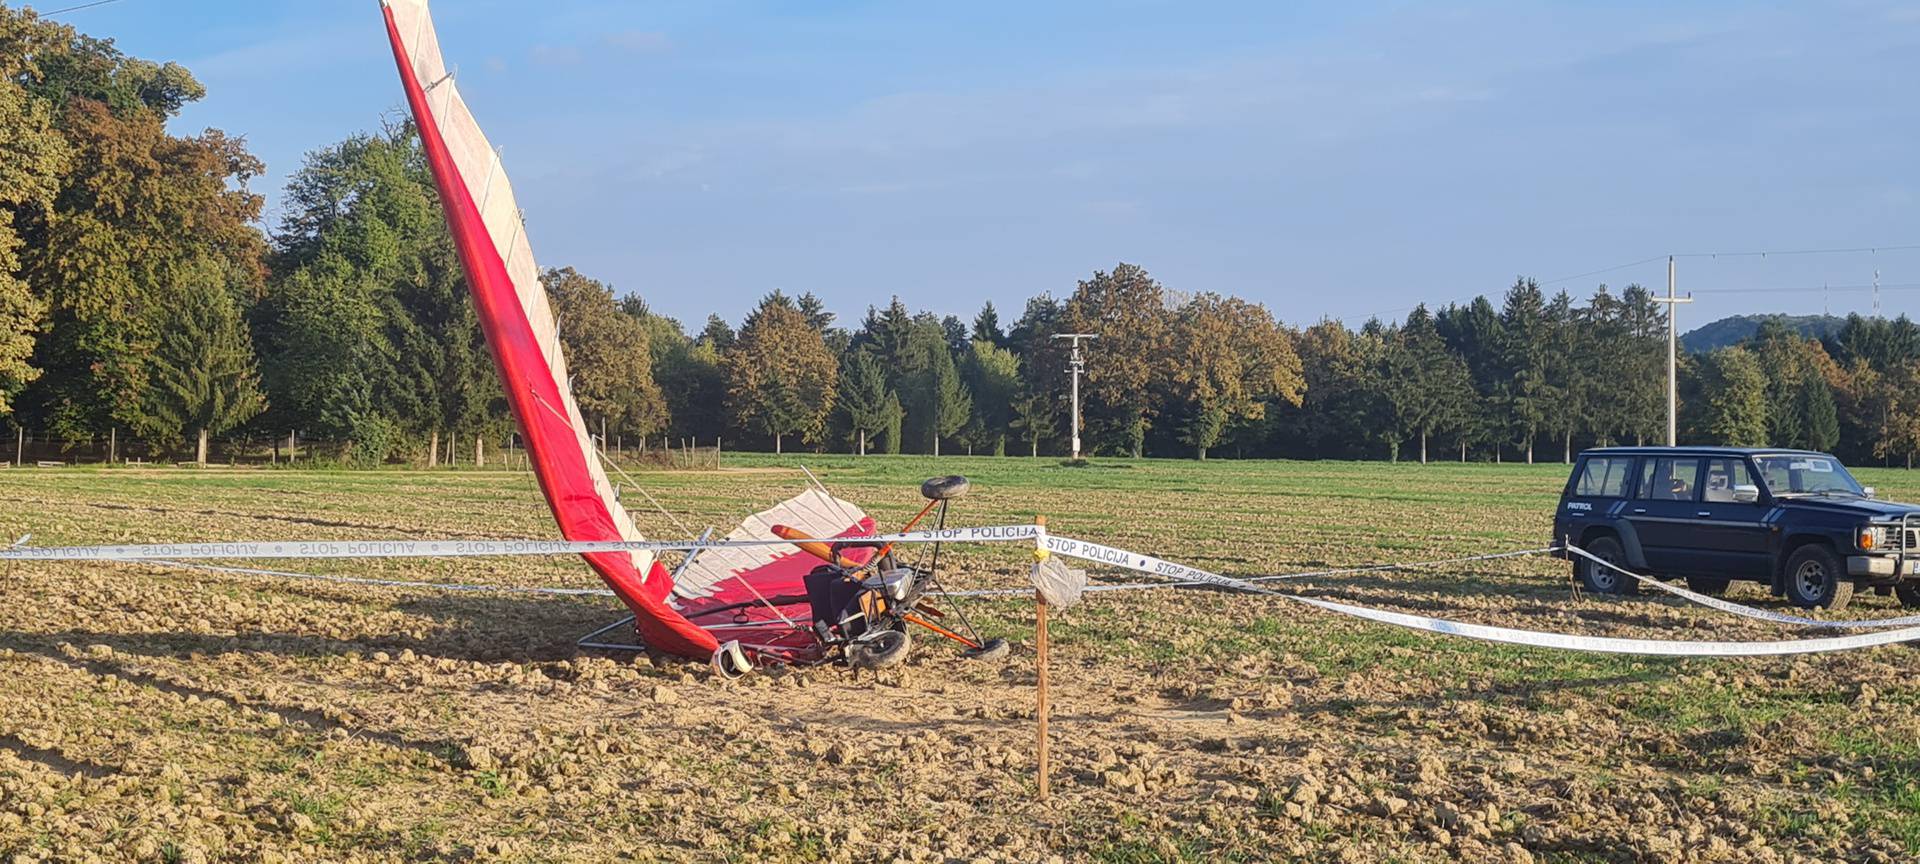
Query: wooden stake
point(1040, 678)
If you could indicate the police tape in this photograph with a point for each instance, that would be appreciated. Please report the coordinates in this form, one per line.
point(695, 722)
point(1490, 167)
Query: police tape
point(1274, 577)
point(469, 548)
point(1174, 574)
point(1749, 611)
point(1489, 633)
point(1613, 645)
point(379, 583)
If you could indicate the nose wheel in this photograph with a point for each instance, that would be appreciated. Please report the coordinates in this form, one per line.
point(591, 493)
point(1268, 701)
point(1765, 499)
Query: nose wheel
point(882, 649)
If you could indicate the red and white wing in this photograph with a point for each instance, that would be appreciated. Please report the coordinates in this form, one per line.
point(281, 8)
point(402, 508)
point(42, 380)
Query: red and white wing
point(520, 330)
point(757, 594)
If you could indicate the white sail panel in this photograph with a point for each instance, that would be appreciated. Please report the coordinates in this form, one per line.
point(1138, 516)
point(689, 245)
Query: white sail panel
point(813, 511)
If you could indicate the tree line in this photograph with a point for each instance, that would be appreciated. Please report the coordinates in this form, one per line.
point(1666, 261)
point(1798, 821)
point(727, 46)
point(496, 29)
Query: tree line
point(139, 293)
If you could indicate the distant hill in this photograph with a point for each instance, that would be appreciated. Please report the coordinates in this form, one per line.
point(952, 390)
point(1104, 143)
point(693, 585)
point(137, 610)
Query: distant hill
point(1731, 331)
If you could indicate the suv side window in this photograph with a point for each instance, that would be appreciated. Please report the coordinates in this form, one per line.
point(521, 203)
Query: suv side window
point(1722, 476)
point(1669, 479)
point(1603, 477)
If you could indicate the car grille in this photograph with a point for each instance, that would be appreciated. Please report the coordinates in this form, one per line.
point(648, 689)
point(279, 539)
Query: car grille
point(1913, 541)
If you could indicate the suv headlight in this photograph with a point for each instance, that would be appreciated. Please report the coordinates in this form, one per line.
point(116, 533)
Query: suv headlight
point(1871, 537)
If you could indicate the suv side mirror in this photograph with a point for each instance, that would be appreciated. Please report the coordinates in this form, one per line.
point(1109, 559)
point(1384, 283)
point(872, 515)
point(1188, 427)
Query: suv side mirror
point(1867, 491)
point(1746, 493)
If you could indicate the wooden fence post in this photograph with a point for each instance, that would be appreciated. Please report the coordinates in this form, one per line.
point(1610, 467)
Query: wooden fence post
point(1040, 670)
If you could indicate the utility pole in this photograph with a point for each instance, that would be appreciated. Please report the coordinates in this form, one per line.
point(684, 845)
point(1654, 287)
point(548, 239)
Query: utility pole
point(1078, 363)
point(1876, 292)
point(1673, 351)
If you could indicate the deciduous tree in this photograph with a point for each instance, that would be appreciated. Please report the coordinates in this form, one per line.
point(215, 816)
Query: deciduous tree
point(1734, 389)
point(1127, 309)
point(780, 376)
point(992, 378)
point(1229, 358)
point(607, 355)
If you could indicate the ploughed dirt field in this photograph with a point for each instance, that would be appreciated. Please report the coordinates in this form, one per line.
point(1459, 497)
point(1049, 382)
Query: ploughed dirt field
point(150, 713)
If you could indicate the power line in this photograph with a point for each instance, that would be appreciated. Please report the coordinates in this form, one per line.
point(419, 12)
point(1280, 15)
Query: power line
point(77, 8)
point(1603, 270)
point(1762, 253)
point(1765, 253)
point(1905, 286)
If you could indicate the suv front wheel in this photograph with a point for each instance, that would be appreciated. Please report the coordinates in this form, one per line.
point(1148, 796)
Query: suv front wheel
point(1599, 578)
point(1817, 579)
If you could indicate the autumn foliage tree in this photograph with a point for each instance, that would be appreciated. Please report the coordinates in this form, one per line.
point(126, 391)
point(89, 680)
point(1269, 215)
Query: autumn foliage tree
point(780, 375)
point(1127, 309)
point(33, 155)
point(134, 218)
point(607, 355)
point(1229, 358)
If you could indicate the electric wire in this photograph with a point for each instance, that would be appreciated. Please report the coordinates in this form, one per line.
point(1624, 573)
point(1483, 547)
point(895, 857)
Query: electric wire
point(77, 8)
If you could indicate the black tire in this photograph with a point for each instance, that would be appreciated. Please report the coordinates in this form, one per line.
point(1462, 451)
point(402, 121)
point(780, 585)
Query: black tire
point(944, 488)
point(1909, 594)
point(883, 649)
point(1712, 586)
point(1604, 580)
point(992, 650)
point(1816, 579)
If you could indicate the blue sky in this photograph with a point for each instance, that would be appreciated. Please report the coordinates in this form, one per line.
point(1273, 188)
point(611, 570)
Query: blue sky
point(1330, 160)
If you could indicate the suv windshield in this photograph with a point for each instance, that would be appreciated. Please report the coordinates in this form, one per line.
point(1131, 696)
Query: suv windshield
point(1807, 475)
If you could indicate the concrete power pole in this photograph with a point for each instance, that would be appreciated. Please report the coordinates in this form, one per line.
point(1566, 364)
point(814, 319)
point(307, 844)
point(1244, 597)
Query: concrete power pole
point(1078, 363)
point(1673, 351)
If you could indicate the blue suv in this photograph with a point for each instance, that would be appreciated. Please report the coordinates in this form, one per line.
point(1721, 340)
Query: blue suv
point(1793, 520)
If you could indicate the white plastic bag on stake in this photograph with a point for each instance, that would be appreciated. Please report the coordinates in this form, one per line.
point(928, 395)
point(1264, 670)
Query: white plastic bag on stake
point(1061, 586)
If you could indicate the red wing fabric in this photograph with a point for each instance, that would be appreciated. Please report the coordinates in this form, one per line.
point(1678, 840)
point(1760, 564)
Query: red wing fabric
point(520, 331)
point(755, 594)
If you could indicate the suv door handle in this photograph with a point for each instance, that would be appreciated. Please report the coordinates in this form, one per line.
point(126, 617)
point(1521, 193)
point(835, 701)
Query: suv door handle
point(1704, 514)
point(1639, 509)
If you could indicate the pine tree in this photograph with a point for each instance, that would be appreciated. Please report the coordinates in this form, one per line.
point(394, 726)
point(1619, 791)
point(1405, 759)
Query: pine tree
point(1038, 406)
point(1473, 333)
point(938, 403)
point(986, 326)
point(718, 334)
point(1427, 386)
point(1821, 420)
point(1526, 392)
point(816, 311)
point(204, 379)
point(867, 405)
